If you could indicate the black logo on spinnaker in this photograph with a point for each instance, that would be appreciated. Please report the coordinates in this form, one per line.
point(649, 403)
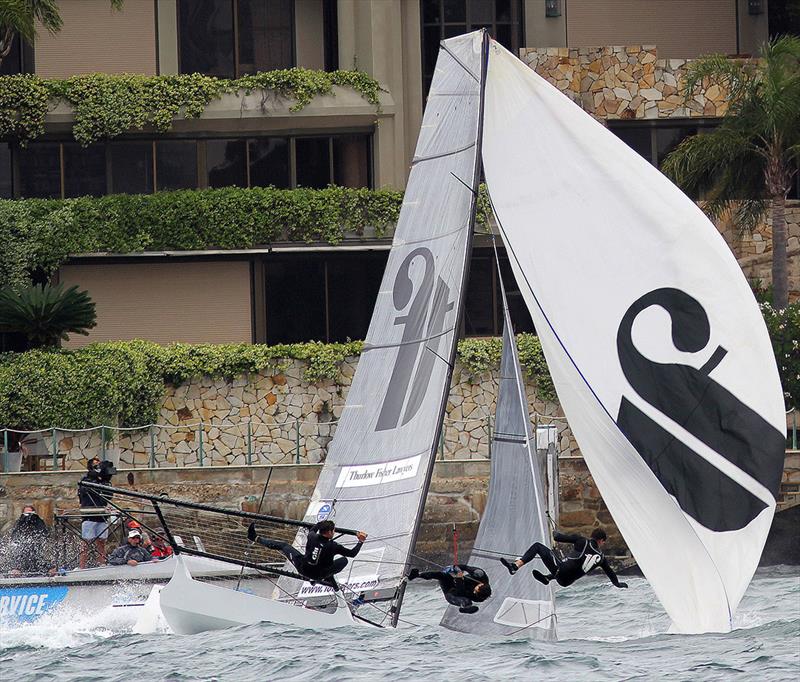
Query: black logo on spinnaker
point(425, 311)
point(711, 413)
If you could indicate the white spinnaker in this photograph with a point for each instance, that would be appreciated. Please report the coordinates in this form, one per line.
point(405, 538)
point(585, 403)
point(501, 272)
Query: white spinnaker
point(592, 229)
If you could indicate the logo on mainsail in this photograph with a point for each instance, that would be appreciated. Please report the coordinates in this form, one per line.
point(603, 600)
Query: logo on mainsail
point(423, 324)
point(690, 398)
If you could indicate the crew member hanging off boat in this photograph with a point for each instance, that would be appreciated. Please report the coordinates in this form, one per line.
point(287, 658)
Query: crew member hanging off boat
point(318, 563)
point(587, 555)
point(461, 585)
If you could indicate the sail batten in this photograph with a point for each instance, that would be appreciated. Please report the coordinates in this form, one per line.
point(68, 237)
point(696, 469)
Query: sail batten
point(657, 349)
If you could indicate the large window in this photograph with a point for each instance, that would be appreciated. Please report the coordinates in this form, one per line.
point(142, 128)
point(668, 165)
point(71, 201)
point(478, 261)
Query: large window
point(65, 169)
point(84, 170)
point(447, 18)
point(655, 140)
point(230, 38)
point(331, 296)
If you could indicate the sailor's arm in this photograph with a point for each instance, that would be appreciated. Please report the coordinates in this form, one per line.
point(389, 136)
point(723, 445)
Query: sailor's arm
point(352, 551)
point(566, 537)
point(610, 573)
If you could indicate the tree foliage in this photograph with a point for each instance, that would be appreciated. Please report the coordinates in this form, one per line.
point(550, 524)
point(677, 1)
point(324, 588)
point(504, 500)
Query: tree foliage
point(47, 313)
point(747, 163)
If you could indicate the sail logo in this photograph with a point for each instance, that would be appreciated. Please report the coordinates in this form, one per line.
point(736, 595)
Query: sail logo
point(703, 408)
point(28, 604)
point(378, 474)
point(423, 310)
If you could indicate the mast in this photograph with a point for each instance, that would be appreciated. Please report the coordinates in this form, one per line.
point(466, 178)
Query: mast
point(475, 186)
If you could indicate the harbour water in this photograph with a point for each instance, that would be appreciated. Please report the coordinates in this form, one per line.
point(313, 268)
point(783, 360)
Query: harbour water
point(605, 634)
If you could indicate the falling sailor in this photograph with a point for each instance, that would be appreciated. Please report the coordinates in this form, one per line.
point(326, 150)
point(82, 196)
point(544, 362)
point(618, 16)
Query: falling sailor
point(587, 555)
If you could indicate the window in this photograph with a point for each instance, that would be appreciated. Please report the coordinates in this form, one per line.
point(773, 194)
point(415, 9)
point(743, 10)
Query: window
point(313, 162)
point(654, 141)
point(483, 309)
point(351, 167)
point(229, 38)
point(176, 164)
point(266, 35)
point(6, 183)
point(226, 161)
point(269, 162)
point(353, 284)
point(40, 170)
point(295, 299)
point(339, 160)
point(205, 30)
point(14, 61)
point(56, 169)
point(131, 167)
point(447, 18)
point(84, 170)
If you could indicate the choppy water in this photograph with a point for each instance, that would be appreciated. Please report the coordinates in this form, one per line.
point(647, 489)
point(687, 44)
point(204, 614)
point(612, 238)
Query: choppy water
point(606, 634)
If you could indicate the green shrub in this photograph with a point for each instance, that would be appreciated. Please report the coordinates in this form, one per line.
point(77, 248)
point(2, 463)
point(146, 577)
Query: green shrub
point(122, 383)
point(784, 332)
point(107, 105)
point(42, 233)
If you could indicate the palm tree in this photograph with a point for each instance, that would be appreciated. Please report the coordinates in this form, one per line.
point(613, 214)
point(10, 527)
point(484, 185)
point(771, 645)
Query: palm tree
point(19, 17)
point(746, 164)
point(45, 314)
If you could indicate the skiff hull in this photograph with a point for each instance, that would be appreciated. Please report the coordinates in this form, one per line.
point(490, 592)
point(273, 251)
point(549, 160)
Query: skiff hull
point(190, 606)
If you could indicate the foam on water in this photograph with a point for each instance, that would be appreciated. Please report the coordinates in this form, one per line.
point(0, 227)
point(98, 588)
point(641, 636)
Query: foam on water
point(604, 634)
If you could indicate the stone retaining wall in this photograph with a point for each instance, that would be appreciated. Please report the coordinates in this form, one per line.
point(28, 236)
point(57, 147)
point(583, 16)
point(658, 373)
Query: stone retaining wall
point(288, 419)
point(457, 495)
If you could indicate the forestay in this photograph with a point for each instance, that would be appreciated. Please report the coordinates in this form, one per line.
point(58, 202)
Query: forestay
point(515, 516)
point(656, 345)
point(378, 468)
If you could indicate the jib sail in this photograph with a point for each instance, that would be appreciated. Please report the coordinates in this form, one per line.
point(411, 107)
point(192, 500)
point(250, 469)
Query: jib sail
point(515, 516)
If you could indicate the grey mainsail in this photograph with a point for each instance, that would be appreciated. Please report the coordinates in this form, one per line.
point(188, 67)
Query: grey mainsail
point(377, 471)
point(514, 518)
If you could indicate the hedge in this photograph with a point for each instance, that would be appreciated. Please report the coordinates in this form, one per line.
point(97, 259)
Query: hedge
point(42, 233)
point(122, 383)
point(107, 105)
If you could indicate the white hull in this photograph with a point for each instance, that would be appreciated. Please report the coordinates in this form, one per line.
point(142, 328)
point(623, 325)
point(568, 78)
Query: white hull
point(127, 595)
point(190, 606)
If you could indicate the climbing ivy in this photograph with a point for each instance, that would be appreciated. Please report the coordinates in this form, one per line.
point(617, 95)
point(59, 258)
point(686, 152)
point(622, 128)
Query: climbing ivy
point(107, 105)
point(40, 234)
point(123, 382)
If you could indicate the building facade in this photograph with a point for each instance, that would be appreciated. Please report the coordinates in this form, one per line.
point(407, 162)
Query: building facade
point(295, 292)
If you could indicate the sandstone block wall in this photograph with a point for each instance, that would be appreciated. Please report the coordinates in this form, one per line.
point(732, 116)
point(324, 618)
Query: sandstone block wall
point(458, 494)
point(281, 419)
point(623, 81)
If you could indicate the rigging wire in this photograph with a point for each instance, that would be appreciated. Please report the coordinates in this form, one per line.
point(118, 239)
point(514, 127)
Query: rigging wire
point(258, 511)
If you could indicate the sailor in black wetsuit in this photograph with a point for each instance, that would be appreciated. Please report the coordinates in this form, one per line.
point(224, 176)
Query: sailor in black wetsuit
point(587, 555)
point(318, 563)
point(461, 585)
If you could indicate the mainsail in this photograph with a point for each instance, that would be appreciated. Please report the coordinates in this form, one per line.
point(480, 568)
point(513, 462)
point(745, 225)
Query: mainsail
point(379, 465)
point(657, 348)
point(515, 516)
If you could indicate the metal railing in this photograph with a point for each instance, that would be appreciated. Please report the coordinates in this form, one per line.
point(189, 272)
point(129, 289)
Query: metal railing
point(201, 444)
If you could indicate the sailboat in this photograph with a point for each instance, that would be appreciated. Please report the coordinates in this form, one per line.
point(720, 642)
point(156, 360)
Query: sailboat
point(379, 465)
point(657, 349)
point(515, 512)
